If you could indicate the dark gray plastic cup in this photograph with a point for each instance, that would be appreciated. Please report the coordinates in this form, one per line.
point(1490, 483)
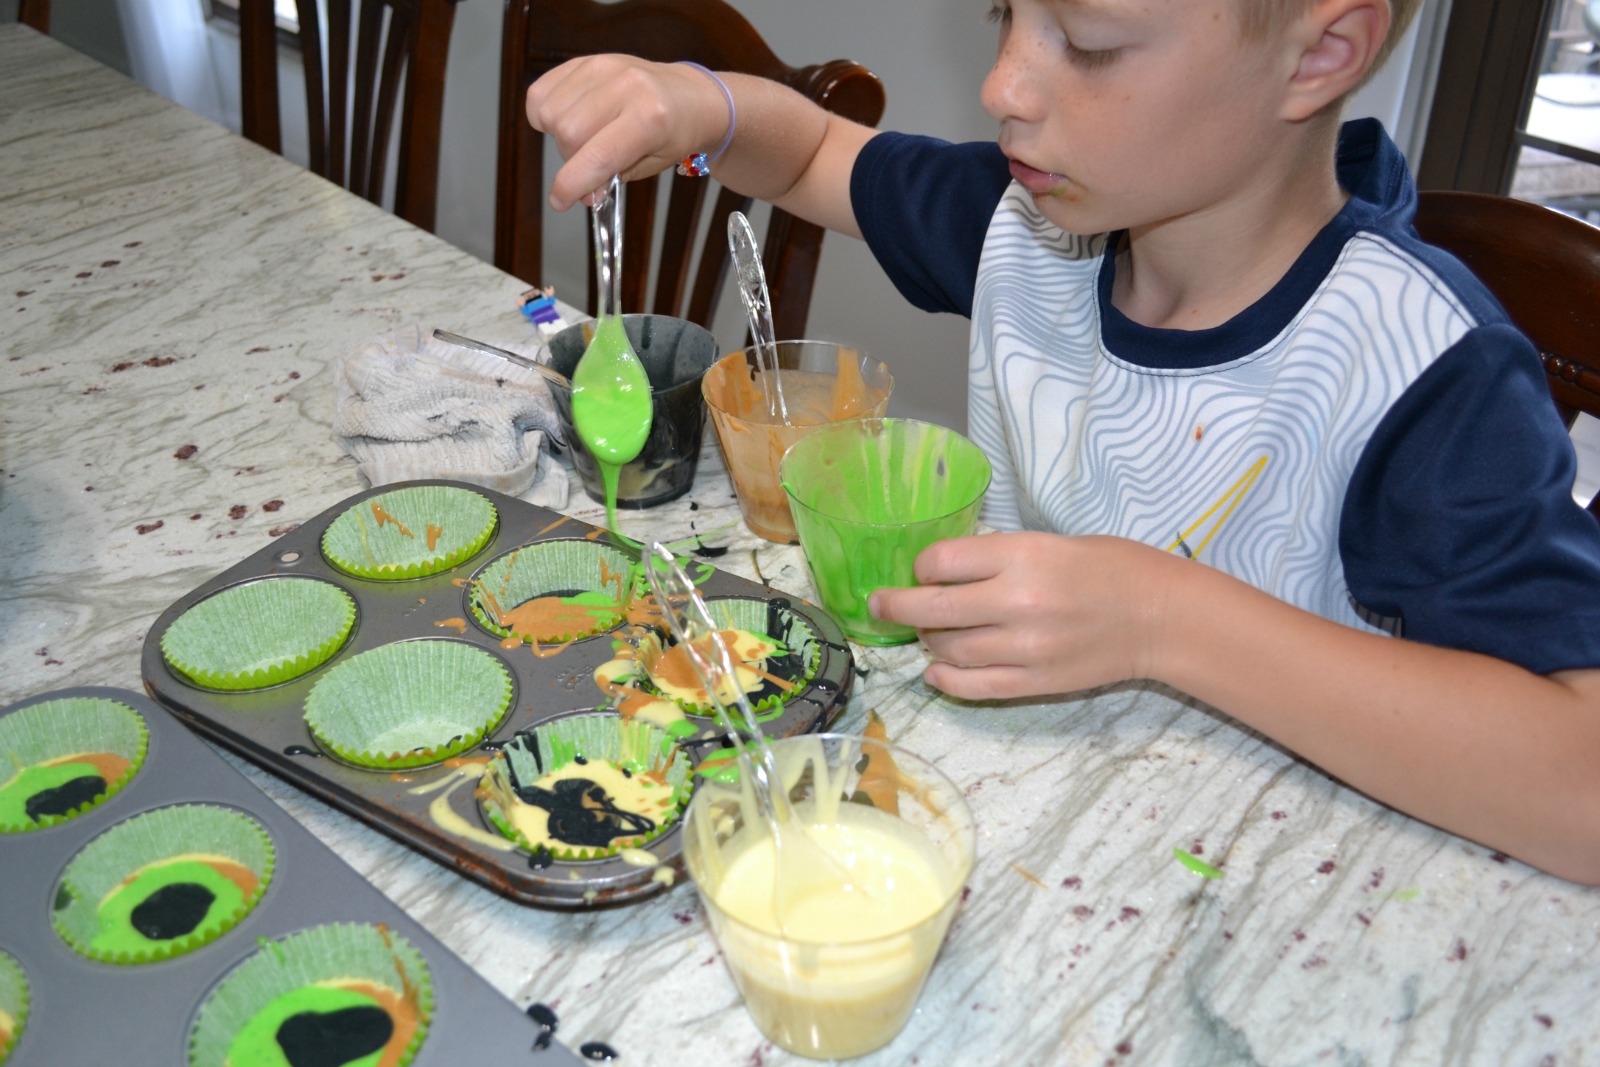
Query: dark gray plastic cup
point(676, 354)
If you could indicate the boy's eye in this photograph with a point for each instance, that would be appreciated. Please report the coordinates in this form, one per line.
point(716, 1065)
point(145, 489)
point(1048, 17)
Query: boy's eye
point(1091, 59)
point(998, 13)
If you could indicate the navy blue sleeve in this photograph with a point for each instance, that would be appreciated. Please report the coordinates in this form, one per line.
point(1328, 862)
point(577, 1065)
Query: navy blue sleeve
point(924, 207)
point(1459, 518)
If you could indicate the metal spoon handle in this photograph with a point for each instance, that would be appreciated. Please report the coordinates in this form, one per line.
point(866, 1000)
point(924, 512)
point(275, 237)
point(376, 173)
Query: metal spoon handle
point(512, 357)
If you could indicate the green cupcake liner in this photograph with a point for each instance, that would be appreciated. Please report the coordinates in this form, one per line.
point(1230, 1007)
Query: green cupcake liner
point(578, 827)
point(43, 783)
point(163, 884)
point(260, 633)
point(409, 703)
point(345, 990)
point(796, 661)
point(13, 1003)
point(554, 591)
point(409, 533)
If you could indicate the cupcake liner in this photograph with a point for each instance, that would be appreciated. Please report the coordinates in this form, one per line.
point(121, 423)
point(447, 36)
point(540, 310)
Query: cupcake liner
point(554, 591)
point(409, 703)
point(163, 884)
point(775, 653)
point(259, 634)
point(13, 1003)
point(346, 993)
point(540, 790)
point(60, 758)
point(409, 533)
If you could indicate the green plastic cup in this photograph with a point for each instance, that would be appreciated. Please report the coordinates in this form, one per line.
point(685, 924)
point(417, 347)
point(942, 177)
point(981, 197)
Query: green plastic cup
point(867, 495)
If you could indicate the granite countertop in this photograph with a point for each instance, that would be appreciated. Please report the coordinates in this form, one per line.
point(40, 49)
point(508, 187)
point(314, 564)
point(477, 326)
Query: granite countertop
point(177, 301)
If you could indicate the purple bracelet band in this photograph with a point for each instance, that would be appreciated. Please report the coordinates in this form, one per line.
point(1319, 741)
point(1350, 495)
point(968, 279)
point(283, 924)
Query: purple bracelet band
point(699, 164)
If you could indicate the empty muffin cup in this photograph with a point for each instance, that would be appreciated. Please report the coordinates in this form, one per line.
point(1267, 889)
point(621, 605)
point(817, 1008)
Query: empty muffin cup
point(410, 532)
point(260, 633)
point(408, 704)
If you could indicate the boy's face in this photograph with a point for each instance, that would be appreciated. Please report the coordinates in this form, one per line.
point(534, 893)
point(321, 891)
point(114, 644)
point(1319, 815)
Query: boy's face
point(1122, 113)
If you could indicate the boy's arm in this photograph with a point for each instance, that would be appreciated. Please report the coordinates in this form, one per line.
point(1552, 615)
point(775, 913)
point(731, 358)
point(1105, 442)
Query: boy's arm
point(622, 115)
point(1473, 744)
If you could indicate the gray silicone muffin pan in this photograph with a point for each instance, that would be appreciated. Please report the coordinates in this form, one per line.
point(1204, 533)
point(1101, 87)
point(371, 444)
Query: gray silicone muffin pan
point(267, 726)
point(83, 1012)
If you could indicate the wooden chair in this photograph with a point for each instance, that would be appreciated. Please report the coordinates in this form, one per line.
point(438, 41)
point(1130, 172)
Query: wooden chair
point(34, 13)
point(1544, 268)
point(350, 139)
point(541, 34)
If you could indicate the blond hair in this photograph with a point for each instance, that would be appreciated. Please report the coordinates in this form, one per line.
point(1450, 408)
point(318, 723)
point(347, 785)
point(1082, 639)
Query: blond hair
point(1260, 17)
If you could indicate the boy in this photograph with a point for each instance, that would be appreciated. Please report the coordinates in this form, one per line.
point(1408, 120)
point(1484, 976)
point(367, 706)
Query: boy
point(1204, 330)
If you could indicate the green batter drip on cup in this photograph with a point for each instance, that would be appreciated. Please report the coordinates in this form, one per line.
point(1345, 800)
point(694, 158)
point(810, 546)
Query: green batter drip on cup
point(611, 405)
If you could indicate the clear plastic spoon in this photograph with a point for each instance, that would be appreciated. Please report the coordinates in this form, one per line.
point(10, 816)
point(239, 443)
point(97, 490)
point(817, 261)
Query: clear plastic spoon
point(611, 404)
point(801, 864)
point(758, 307)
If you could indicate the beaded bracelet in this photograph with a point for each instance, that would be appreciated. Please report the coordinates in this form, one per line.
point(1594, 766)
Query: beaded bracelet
point(699, 164)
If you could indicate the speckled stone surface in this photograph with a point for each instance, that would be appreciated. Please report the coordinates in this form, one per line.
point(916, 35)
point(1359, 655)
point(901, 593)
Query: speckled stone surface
point(176, 300)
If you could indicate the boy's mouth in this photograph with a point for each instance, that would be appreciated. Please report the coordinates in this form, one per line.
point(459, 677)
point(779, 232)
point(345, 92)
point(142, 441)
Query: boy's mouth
point(1036, 181)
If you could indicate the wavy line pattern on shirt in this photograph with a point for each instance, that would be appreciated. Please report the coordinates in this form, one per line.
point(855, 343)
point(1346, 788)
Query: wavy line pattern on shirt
point(1085, 442)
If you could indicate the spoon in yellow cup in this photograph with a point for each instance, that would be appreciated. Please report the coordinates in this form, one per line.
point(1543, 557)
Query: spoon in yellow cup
point(803, 866)
point(611, 404)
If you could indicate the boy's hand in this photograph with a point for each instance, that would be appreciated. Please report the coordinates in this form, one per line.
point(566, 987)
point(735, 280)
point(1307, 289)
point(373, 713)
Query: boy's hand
point(1020, 614)
point(613, 114)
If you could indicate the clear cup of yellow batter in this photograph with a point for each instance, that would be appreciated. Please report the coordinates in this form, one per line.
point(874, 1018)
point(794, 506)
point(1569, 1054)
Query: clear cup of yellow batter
point(830, 964)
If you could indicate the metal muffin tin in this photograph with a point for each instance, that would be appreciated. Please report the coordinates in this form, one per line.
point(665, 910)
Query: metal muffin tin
point(84, 1012)
point(267, 726)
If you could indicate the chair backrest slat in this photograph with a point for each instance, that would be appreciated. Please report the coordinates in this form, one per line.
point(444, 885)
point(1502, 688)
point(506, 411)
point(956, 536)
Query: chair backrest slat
point(685, 202)
point(258, 76)
point(369, 35)
point(638, 244)
point(707, 290)
point(539, 35)
point(1544, 268)
point(396, 46)
point(34, 14)
point(374, 58)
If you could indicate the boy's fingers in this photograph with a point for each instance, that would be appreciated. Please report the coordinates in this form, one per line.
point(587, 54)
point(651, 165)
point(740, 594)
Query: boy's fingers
point(959, 559)
point(980, 646)
point(981, 683)
point(585, 111)
point(932, 607)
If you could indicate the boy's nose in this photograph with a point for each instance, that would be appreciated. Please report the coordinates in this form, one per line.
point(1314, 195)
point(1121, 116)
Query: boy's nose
point(1010, 92)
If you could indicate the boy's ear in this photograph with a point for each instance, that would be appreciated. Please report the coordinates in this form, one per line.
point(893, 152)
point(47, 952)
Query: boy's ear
point(1338, 40)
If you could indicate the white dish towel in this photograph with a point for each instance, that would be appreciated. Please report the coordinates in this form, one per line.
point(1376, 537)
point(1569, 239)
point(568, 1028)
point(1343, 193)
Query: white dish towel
point(411, 406)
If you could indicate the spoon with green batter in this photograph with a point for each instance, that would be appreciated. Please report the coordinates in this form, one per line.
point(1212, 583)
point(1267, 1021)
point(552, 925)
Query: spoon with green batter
point(611, 405)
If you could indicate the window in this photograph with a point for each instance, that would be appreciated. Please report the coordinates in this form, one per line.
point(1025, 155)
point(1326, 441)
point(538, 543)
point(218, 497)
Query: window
point(1558, 140)
point(285, 13)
